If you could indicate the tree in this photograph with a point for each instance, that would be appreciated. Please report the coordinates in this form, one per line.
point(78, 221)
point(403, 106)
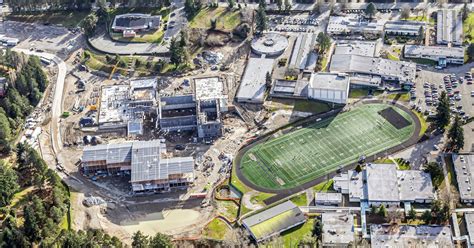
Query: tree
point(279, 4)
point(434, 169)
point(426, 216)
point(268, 80)
point(411, 213)
point(190, 8)
point(456, 135)
point(139, 240)
point(317, 228)
point(183, 39)
point(382, 211)
point(89, 24)
point(405, 12)
point(5, 133)
point(317, 8)
point(324, 42)
point(465, 12)
point(470, 52)
point(370, 10)
point(287, 5)
point(230, 4)
point(373, 209)
point(8, 183)
point(442, 111)
point(261, 20)
point(421, 35)
point(176, 52)
point(262, 4)
point(160, 241)
point(213, 24)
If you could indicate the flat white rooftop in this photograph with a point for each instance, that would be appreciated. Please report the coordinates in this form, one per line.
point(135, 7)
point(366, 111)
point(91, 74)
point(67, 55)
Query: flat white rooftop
point(410, 236)
point(332, 81)
point(464, 168)
point(252, 87)
point(434, 51)
point(338, 228)
point(351, 47)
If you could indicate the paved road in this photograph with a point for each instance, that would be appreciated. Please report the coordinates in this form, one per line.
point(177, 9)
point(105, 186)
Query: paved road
point(56, 108)
point(416, 153)
point(103, 43)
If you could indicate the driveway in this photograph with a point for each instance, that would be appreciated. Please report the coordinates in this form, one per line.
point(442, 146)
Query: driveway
point(103, 43)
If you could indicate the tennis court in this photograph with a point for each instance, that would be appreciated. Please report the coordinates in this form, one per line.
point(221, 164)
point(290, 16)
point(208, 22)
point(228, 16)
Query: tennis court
point(310, 152)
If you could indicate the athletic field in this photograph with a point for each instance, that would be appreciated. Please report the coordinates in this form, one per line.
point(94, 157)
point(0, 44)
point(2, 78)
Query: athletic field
point(300, 156)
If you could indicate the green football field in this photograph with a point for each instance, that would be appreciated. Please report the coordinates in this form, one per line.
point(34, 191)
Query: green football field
point(300, 156)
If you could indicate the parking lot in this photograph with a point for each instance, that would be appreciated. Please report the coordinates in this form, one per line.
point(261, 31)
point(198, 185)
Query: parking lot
point(295, 23)
point(429, 86)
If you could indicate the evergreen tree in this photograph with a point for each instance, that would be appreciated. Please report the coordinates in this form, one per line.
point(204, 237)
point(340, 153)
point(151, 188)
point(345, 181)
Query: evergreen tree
point(262, 4)
point(370, 10)
point(268, 80)
point(160, 241)
point(442, 115)
point(139, 240)
point(426, 217)
point(261, 20)
point(456, 135)
point(412, 213)
point(190, 8)
point(382, 211)
point(8, 184)
point(176, 52)
point(230, 4)
point(279, 4)
point(5, 134)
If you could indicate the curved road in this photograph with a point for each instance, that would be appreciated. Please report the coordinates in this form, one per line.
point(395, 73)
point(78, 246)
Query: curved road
point(56, 107)
point(104, 44)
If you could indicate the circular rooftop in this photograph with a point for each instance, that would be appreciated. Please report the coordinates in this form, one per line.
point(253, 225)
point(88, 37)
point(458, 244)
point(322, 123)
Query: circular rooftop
point(270, 44)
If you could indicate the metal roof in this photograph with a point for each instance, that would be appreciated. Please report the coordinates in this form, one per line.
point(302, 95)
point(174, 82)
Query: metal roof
point(269, 213)
point(147, 164)
point(145, 157)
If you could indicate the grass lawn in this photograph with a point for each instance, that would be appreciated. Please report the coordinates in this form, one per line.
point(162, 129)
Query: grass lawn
point(98, 62)
point(326, 186)
point(402, 165)
point(421, 18)
point(404, 97)
point(260, 197)
point(423, 122)
point(383, 161)
point(392, 57)
point(228, 209)
point(300, 200)
point(155, 36)
point(226, 19)
point(313, 151)
point(69, 19)
point(293, 236)
point(468, 27)
point(311, 106)
point(216, 229)
point(359, 93)
point(237, 184)
point(20, 196)
point(423, 61)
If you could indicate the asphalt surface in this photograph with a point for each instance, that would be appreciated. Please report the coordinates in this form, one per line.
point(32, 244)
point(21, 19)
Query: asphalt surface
point(56, 107)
